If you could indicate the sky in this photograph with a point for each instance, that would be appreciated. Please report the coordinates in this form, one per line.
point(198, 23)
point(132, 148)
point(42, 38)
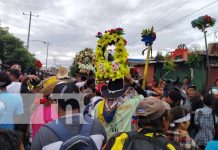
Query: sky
point(71, 25)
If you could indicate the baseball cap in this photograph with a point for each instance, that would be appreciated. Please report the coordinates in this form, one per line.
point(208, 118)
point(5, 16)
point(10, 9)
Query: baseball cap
point(192, 86)
point(151, 108)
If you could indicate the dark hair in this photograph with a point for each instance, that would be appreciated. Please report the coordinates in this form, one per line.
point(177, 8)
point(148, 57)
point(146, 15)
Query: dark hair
point(35, 82)
point(73, 103)
point(83, 78)
point(208, 99)
point(14, 72)
point(179, 112)
point(67, 88)
point(5, 78)
point(81, 88)
point(88, 98)
point(10, 140)
point(175, 96)
point(90, 81)
point(187, 79)
point(156, 123)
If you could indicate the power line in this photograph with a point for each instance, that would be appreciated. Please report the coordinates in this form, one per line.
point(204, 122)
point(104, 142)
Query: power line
point(175, 9)
point(133, 9)
point(133, 42)
point(175, 22)
point(202, 37)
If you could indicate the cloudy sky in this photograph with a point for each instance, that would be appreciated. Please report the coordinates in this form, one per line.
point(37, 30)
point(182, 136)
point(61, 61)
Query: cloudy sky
point(71, 25)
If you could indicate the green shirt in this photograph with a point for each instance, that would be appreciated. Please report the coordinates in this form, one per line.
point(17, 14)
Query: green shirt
point(122, 118)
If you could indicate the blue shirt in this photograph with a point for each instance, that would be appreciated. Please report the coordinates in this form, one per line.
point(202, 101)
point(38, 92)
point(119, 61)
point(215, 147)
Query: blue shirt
point(212, 145)
point(10, 106)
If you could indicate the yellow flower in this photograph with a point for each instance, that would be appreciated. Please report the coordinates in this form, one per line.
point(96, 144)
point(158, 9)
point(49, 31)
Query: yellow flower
point(120, 57)
point(114, 37)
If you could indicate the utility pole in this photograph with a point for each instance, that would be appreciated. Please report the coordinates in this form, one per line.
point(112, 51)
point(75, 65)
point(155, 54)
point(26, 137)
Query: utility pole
point(47, 45)
point(28, 37)
point(54, 64)
point(215, 36)
point(46, 63)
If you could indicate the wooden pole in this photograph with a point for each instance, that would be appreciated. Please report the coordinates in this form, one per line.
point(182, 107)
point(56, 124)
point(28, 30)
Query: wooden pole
point(146, 67)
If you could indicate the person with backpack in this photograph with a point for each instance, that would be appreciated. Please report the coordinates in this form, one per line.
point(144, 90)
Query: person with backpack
point(72, 130)
point(153, 119)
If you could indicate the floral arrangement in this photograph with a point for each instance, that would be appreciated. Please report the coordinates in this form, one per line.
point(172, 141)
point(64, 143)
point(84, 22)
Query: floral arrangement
point(117, 67)
point(148, 36)
point(194, 59)
point(203, 22)
point(85, 60)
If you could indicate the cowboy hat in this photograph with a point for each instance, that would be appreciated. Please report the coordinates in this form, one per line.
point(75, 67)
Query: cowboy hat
point(114, 89)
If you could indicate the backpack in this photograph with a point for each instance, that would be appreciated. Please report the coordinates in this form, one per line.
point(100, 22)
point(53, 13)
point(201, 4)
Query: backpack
point(71, 141)
point(138, 141)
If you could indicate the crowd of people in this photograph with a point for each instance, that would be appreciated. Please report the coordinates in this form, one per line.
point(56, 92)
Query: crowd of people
point(63, 112)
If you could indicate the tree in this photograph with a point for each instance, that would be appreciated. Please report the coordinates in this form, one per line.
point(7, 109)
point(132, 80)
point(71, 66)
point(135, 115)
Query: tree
point(194, 59)
point(12, 51)
point(159, 56)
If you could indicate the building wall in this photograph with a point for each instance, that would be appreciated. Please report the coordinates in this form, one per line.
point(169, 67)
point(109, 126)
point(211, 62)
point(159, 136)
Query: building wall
point(213, 75)
point(150, 73)
point(182, 70)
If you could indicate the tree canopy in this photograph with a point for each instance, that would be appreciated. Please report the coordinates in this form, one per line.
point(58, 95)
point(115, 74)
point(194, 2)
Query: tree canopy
point(12, 51)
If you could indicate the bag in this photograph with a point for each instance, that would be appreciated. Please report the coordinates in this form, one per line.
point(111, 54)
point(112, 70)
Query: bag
point(74, 142)
point(138, 141)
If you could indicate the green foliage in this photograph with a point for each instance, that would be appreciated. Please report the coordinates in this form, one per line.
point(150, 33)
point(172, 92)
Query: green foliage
point(194, 59)
point(169, 64)
point(74, 69)
point(159, 56)
point(12, 51)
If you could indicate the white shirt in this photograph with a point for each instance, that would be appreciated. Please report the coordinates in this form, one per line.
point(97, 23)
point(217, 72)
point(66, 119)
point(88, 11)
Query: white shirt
point(14, 87)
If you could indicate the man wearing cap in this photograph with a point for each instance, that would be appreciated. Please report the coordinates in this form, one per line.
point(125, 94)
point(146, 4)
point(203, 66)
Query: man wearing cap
point(116, 110)
point(196, 103)
point(153, 119)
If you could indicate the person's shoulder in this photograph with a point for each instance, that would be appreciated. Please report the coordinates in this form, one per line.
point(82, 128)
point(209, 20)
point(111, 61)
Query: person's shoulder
point(46, 134)
point(97, 127)
point(169, 143)
point(116, 140)
point(11, 95)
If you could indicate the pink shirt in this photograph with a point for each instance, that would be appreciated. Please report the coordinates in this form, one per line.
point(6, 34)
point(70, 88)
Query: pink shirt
point(42, 115)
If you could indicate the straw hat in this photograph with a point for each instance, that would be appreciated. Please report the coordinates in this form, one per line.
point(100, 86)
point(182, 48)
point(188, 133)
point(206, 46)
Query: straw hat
point(49, 85)
point(62, 72)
